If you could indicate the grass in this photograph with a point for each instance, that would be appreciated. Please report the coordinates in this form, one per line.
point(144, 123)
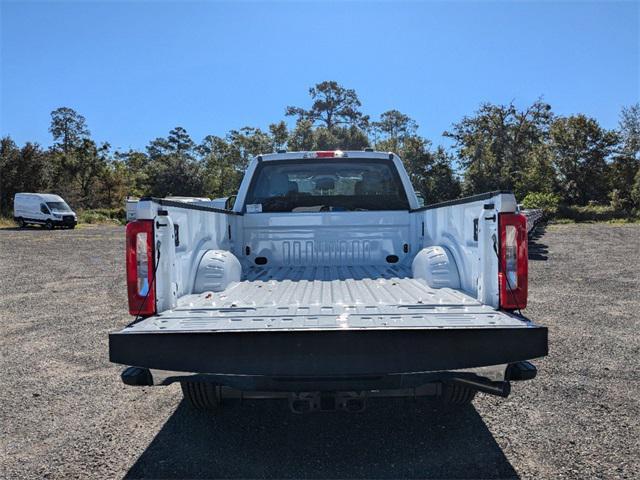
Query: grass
point(7, 222)
point(613, 221)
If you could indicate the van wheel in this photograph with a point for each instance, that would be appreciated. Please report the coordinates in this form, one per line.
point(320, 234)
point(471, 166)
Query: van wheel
point(453, 394)
point(21, 223)
point(202, 395)
point(48, 225)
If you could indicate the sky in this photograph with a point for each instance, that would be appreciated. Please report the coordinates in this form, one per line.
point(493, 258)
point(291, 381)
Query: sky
point(137, 69)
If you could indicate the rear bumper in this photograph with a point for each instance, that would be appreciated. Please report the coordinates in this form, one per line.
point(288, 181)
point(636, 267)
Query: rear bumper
point(65, 223)
point(494, 379)
point(329, 353)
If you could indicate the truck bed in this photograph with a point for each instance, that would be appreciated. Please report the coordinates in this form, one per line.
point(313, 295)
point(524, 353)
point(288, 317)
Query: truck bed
point(349, 297)
point(310, 321)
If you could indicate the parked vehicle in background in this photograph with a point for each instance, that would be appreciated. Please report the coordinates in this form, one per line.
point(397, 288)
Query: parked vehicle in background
point(328, 283)
point(534, 217)
point(44, 209)
point(131, 204)
point(224, 203)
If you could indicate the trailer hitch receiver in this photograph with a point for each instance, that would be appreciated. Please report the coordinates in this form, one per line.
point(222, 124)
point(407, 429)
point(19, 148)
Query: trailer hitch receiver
point(306, 402)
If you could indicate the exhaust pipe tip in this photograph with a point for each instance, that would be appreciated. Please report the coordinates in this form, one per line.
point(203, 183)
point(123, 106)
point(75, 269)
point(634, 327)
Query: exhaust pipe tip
point(500, 389)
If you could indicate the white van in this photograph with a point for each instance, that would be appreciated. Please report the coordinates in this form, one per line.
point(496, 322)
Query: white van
point(43, 209)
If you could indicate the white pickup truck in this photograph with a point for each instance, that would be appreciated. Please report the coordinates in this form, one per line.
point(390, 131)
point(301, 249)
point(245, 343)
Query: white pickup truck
point(326, 283)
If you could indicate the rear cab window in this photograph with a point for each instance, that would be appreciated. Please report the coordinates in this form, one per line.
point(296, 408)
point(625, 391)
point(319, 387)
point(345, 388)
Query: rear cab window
point(320, 185)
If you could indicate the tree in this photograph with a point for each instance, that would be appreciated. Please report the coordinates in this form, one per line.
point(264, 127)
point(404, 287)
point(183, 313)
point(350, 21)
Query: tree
point(249, 142)
point(21, 170)
point(83, 172)
point(279, 135)
point(626, 163)
point(635, 192)
point(178, 142)
point(221, 175)
point(622, 173)
point(350, 138)
point(431, 172)
point(527, 150)
point(395, 127)
point(630, 130)
point(333, 105)
point(116, 182)
point(173, 168)
point(9, 161)
point(494, 145)
point(77, 162)
point(136, 165)
point(68, 129)
point(547, 202)
point(301, 138)
point(441, 181)
point(580, 149)
point(538, 174)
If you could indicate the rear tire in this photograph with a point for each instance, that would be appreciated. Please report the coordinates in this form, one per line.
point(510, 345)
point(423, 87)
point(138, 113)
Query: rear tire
point(48, 225)
point(21, 223)
point(203, 396)
point(454, 394)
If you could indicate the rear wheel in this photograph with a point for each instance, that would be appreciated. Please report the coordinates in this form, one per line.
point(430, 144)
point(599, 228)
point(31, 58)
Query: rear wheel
point(21, 223)
point(454, 394)
point(48, 225)
point(202, 395)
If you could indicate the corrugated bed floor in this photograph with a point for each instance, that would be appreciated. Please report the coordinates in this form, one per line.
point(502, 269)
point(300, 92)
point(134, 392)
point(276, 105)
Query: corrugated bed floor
point(328, 297)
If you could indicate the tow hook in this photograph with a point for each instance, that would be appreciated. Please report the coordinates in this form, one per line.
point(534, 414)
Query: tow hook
point(306, 402)
point(136, 376)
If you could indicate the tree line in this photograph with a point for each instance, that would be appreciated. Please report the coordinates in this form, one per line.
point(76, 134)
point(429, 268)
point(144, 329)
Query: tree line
point(531, 151)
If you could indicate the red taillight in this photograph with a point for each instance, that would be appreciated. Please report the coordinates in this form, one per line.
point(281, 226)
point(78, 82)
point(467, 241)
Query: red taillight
point(514, 262)
point(142, 295)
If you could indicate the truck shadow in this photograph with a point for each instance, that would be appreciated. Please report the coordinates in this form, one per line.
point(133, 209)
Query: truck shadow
point(538, 250)
point(262, 439)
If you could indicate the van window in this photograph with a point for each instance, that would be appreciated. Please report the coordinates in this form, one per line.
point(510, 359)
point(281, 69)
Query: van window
point(44, 209)
point(61, 206)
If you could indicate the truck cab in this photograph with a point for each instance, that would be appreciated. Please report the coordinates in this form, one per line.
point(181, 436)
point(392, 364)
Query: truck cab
point(328, 283)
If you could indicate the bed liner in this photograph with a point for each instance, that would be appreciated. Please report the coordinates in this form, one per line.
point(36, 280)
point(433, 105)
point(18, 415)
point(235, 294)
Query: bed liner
point(349, 297)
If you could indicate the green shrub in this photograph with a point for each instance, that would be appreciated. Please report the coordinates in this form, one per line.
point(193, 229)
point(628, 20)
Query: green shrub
point(548, 202)
point(591, 213)
point(103, 215)
point(113, 213)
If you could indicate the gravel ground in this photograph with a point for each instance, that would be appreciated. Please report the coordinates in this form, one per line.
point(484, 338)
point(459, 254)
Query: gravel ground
point(65, 414)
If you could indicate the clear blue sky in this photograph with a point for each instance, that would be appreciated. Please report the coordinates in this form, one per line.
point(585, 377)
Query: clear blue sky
point(136, 70)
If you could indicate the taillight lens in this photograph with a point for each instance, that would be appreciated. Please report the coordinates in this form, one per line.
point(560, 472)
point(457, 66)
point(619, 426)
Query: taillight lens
point(514, 261)
point(329, 154)
point(142, 297)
